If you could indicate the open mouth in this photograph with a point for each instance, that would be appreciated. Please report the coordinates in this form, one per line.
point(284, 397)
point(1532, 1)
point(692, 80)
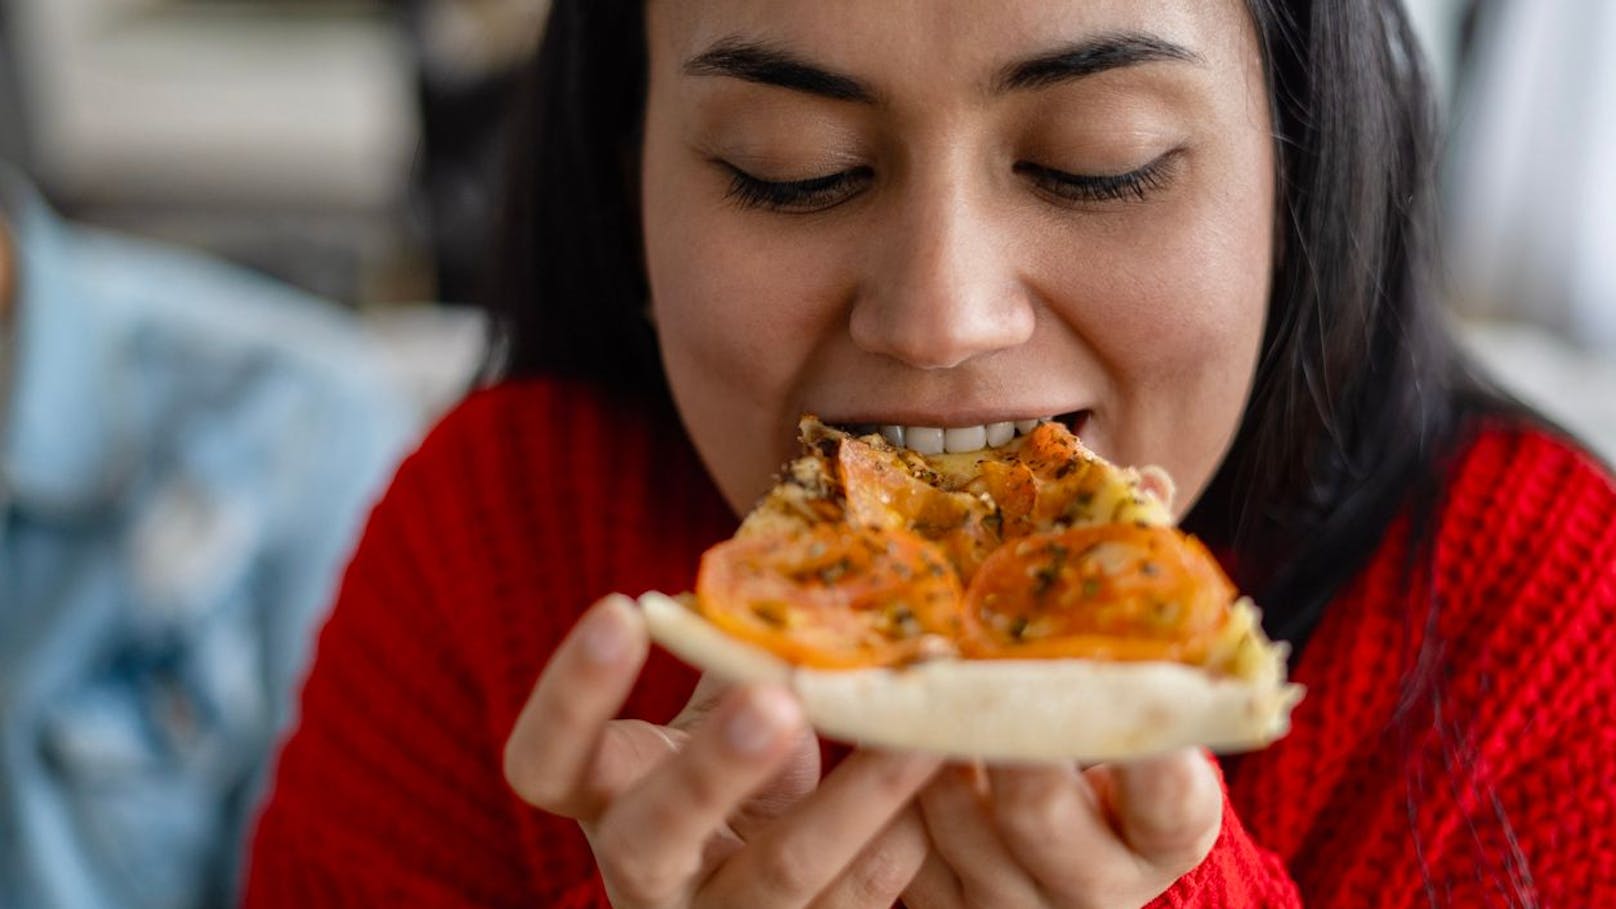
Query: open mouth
point(957, 439)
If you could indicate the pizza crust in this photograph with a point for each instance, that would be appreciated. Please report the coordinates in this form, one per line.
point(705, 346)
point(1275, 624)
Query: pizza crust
point(1012, 710)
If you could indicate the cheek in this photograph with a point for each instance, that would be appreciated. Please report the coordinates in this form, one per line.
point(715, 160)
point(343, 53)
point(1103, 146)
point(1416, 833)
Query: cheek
point(1174, 311)
point(742, 306)
point(1177, 300)
point(1164, 303)
point(735, 302)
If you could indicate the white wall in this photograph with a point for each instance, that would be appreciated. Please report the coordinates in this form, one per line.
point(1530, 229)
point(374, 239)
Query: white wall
point(1437, 24)
point(131, 100)
point(1532, 182)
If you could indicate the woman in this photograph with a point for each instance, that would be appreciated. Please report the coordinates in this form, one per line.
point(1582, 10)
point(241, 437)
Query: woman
point(1198, 230)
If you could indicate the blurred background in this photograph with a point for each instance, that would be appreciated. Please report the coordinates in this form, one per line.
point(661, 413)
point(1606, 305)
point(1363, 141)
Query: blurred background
point(236, 237)
point(341, 154)
point(343, 146)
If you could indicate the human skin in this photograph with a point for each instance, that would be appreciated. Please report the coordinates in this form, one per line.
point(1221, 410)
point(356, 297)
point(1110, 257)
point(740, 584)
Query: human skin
point(950, 261)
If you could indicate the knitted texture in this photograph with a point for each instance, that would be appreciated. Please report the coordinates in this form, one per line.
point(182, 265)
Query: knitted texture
point(1453, 749)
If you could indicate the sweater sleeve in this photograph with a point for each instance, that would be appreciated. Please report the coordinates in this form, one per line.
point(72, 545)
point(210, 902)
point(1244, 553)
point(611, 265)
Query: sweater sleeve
point(1508, 800)
point(1507, 782)
point(1534, 828)
point(1510, 784)
point(475, 565)
point(390, 790)
point(375, 793)
point(590, 894)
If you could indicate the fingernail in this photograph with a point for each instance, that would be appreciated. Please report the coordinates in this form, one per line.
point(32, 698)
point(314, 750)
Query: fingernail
point(605, 633)
point(760, 721)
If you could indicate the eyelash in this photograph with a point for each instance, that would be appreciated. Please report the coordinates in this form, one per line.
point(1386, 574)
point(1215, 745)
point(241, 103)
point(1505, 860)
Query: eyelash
point(820, 193)
point(797, 196)
point(1135, 185)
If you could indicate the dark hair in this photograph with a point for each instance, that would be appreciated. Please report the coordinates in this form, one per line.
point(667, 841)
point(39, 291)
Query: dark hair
point(1361, 396)
point(567, 284)
point(1360, 391)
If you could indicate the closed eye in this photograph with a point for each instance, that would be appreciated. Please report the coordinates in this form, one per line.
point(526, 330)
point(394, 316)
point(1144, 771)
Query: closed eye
point(799, 196)
point(1136, 185)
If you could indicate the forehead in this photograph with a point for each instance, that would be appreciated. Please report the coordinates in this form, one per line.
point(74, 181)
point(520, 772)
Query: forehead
point(892, 44)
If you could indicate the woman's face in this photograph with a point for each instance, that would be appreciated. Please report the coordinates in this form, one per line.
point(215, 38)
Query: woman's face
point(951, 213)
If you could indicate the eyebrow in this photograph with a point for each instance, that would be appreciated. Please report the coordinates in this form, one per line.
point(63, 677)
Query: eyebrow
point(1093, 55)
point(767, 64)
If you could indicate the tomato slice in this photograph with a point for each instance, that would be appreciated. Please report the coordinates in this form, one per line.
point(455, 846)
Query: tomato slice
point(881, 491)
point(1052, 480)
point(1100, 591)
point(833, 596)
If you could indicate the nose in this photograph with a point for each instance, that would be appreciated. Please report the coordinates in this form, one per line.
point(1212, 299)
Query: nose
point(942, 289)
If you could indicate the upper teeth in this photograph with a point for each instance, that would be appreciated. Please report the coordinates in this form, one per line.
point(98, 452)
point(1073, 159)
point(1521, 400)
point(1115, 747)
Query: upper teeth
point(936, 440)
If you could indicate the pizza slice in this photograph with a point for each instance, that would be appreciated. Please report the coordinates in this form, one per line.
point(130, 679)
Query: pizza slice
point(1024, 602)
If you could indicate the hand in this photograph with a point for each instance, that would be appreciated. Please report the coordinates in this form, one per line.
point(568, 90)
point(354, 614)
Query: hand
point(1110, 836)
point(721, 808)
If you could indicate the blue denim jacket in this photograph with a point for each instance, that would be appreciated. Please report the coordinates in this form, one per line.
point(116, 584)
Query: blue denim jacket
point(188, 453)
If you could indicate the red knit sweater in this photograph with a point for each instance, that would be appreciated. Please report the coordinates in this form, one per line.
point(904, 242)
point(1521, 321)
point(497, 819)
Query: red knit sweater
point(1494, 788)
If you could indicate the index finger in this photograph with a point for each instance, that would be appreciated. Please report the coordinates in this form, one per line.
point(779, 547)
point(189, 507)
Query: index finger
point(1169, 808)
point(560, 729)
point(815, 843)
